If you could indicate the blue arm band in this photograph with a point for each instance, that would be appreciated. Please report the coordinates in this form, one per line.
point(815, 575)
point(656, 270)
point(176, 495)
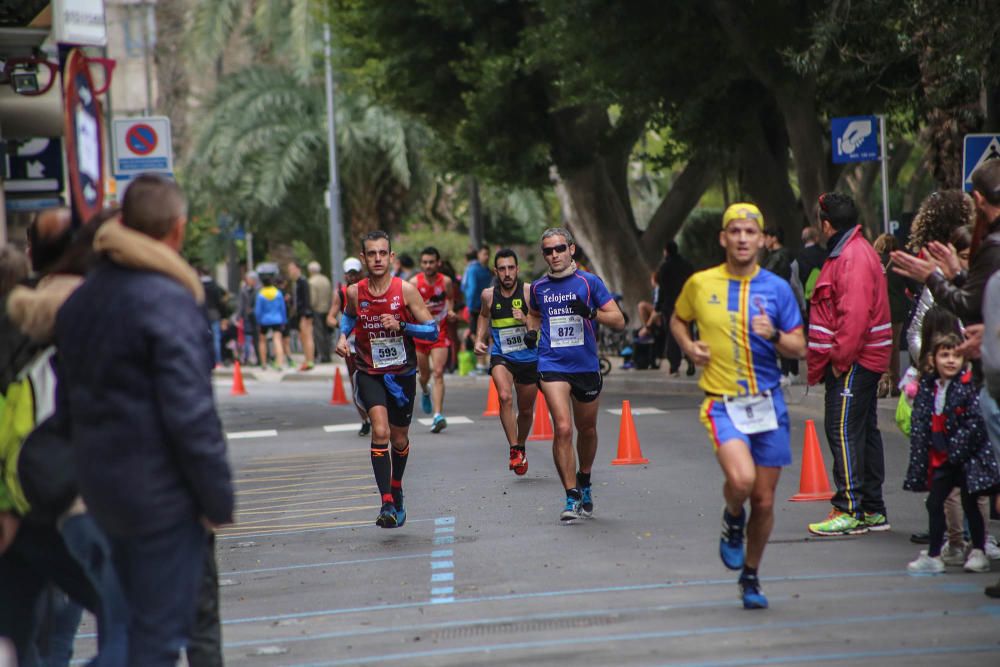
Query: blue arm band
point(347, 323)
point(426, 331)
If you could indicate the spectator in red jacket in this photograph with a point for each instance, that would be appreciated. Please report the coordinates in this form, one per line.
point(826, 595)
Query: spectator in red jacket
point(850, 342)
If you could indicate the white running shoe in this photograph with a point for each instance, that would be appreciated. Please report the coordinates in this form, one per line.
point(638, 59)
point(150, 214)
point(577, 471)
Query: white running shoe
point(925, 564)
point(953, 555)
point(977, 562)
point(992, 550)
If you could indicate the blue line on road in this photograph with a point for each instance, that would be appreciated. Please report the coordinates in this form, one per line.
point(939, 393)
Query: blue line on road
point(572, 591)
point(854, 655)
point(307, 530)
point(444, 524)
point(562, 615)
point(357, 561)
point(669, 634)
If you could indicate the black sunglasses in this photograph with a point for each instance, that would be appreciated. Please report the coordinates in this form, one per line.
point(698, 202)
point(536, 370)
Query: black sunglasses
point(562, 247)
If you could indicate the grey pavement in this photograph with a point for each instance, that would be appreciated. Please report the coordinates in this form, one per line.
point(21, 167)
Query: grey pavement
point(484, 574)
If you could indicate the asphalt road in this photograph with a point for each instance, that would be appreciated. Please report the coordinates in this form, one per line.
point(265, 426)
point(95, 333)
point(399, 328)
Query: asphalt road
point(484, 574)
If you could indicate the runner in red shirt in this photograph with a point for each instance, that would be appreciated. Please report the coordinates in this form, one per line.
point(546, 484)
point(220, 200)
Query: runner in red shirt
point(435, 288)
point(387, 314)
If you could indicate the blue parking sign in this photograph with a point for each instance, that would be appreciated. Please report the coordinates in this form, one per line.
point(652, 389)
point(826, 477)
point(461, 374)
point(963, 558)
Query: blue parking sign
point(977, 149)
point(854, 139)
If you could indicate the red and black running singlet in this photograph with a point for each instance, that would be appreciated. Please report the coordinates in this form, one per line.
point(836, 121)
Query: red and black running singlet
point(380, 351)
point(434, 294)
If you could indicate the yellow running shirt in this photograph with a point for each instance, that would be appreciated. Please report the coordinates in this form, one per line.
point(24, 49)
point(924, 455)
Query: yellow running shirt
point(723, 306)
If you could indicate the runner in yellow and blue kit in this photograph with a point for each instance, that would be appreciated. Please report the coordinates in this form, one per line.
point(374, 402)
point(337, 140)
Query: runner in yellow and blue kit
point(746, 316)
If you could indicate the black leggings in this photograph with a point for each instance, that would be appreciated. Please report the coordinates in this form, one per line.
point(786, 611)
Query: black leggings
point(946, 478)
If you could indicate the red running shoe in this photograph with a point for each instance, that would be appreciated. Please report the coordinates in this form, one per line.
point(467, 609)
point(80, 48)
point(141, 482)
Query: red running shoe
point(518, 461)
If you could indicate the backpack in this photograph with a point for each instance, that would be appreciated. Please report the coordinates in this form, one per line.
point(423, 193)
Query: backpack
point(28, 401)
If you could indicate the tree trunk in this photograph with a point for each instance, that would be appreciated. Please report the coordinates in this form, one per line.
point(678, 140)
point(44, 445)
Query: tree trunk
point(598, 221)
point(764, 159)
point(476, 229)
point(797, 103)
point(670, 215)
point(172, 80)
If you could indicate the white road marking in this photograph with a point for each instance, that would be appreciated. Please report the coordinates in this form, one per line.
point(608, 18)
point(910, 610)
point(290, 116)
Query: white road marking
point(451, 421)
point(638, 412)
point(243, 435)
point(342, 428)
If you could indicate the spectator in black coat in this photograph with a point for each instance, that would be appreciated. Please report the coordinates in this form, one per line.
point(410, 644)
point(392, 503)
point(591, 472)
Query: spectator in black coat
point(136, 384)
point(671, 276)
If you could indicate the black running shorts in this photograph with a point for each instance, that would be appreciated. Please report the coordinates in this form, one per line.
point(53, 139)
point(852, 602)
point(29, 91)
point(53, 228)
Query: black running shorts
point(584, 387)
point(370, 391)
point(523, 372)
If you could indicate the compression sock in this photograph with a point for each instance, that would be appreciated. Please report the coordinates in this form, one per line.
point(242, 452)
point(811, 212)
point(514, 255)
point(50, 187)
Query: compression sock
point(399, 458)
point(582, 479)
point(383, 470)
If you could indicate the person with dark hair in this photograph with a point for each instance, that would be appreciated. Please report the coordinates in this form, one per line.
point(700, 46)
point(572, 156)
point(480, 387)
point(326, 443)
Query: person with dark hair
point(850, 339)
point(966, 298)
point(514, 356)
point(54, 561)
point(403, 267)
point(436, 289)
point(949, 449)
point(301, 317)
point(148, 444)
point(778, 259)
point(353, 272)
point(389, 314)
point(272, 317)
point(476, 278)
point(809, 262)
point(15, 348)
point(215, 298)
point(673, 272)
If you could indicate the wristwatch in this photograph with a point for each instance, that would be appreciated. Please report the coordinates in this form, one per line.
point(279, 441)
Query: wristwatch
point(776, 336)
point(402, 326)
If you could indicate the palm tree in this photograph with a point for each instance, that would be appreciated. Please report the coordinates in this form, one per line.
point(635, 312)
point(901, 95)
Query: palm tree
point(260, 147)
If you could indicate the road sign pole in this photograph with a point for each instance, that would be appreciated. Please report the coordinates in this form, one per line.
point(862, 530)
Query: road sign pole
point(333, 205)
point(885, 174)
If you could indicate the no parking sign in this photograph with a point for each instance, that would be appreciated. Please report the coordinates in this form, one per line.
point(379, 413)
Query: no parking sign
point(142, 145)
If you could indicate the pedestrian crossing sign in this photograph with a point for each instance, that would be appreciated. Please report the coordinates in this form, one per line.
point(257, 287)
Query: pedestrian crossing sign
point(977, 149)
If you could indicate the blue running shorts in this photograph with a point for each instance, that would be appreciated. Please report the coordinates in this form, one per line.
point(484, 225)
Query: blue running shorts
point(771, 449)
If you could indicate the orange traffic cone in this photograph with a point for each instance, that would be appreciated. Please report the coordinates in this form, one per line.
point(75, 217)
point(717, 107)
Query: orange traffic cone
point(813, 484)
point(338, 398)
point(541, 429)
point(238, 388)
point(492, 402)
point(629, 452)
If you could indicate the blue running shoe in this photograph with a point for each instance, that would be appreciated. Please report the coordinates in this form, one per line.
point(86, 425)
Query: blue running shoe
point(586, 502)
point(387, 516)
point(571, 512)
point(440, 424)
point(397, 502)
point(731, 542)
point(425, 403)
point(750, 591)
